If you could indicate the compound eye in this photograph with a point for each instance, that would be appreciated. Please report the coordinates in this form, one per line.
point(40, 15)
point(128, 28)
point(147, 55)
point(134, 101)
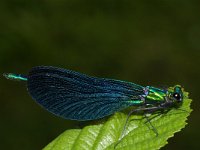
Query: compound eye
point(177, 96)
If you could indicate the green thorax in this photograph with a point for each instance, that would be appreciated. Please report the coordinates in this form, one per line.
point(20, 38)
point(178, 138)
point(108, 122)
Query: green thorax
point(155, 95)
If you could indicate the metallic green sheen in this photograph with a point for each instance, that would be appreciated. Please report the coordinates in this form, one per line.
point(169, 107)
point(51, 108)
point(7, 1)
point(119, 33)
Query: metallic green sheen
point(155, 95)
point(137, 102)
point(13, 76)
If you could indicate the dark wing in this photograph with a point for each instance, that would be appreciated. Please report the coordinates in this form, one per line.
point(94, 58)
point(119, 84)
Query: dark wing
point(76, 96)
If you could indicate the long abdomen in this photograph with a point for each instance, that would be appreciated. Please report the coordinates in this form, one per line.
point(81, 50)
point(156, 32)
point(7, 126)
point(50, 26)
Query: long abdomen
point(13, 76)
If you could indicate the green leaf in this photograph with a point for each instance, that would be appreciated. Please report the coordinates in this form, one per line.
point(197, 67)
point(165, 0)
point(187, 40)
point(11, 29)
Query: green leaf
point(137, 136)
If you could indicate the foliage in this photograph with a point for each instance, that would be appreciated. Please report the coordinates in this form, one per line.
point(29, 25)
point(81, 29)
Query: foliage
point(138, 135)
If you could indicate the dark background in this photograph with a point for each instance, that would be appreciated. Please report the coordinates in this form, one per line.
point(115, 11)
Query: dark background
point(146, 42)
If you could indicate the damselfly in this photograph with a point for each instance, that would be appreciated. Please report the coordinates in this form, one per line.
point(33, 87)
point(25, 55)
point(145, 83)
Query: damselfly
point(76, 96)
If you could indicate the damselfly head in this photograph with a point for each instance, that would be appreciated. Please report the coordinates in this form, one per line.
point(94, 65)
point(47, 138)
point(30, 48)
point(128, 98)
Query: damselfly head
point(177, 95)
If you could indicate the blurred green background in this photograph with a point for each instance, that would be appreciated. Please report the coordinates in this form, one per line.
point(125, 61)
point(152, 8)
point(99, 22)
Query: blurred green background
point(146, 42)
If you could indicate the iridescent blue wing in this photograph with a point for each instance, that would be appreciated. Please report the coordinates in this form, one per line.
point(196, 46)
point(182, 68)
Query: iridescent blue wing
point(76, 96)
